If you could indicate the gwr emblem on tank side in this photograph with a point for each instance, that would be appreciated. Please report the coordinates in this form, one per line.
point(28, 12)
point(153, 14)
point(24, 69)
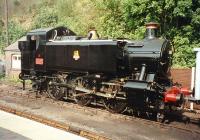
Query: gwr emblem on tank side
point(76, 55)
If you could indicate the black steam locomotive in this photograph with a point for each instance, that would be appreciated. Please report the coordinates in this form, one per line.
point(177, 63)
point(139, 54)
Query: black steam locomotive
point(117, 73)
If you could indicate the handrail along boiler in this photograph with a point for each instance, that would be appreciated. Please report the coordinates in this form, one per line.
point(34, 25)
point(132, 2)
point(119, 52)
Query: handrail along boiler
point(116, 73)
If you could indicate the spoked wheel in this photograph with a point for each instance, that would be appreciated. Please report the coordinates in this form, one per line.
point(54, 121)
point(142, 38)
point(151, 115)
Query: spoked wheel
point(56, 92)
point(82, 100)
point(114, 105)
point(160, 117)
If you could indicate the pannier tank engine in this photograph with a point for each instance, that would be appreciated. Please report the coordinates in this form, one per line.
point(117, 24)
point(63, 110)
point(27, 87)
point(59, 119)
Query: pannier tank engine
point(119, 74)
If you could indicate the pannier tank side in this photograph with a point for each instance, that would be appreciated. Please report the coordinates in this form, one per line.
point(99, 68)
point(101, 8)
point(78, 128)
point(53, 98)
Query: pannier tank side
point(119, 74)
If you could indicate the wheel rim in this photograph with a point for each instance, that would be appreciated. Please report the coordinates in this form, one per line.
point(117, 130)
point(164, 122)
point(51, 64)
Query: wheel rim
point(55, 92)
point(83, 100)
point(160, 117)
point(115, 106)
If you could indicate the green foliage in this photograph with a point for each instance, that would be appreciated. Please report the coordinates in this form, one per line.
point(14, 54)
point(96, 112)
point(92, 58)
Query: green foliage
point(1, 36)
point(184, 55)
point(112, 24)
point(179, 20)
point(16, 2)
point(10, 80)
point(15, 32)
point(45, 18)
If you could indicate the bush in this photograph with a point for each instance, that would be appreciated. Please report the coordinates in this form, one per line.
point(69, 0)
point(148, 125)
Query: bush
point(46, 17)
point(15, 32)
point(179, 21)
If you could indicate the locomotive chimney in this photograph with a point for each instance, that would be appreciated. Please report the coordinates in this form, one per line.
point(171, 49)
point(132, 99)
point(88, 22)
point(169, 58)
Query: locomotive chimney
point(151, 30)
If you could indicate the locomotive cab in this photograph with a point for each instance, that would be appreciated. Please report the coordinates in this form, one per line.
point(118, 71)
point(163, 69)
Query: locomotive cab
point(33, 49)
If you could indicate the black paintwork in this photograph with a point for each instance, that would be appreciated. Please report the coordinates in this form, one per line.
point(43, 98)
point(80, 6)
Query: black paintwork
point(57, 46)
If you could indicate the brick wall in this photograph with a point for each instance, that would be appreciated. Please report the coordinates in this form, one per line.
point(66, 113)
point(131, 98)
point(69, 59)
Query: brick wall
point(182, 76)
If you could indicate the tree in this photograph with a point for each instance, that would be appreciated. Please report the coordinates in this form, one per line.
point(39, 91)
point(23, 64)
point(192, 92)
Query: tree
point(15, 32)
point(179, 20)
point(46, 18)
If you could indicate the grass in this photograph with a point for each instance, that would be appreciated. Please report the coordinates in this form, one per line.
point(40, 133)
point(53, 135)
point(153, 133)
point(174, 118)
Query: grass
point(10, 80)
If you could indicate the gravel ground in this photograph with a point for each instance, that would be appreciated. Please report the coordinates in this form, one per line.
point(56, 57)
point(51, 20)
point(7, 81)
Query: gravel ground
point(115, 129)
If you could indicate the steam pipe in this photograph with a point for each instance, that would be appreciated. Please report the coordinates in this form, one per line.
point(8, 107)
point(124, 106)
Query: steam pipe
point(143, 69)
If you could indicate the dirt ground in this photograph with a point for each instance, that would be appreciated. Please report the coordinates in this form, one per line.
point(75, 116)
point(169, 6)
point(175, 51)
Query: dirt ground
point(115, 129)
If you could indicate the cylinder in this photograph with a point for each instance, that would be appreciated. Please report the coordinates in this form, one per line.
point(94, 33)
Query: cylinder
point(143, 69)
point(197, 75)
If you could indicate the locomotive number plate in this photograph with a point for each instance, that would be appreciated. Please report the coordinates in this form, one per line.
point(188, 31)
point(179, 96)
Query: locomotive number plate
point(39, 61)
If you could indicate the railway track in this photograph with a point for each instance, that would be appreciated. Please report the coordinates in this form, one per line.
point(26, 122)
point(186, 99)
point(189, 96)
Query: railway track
point(43, 120)
point(68, 128)
point(28, 95)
